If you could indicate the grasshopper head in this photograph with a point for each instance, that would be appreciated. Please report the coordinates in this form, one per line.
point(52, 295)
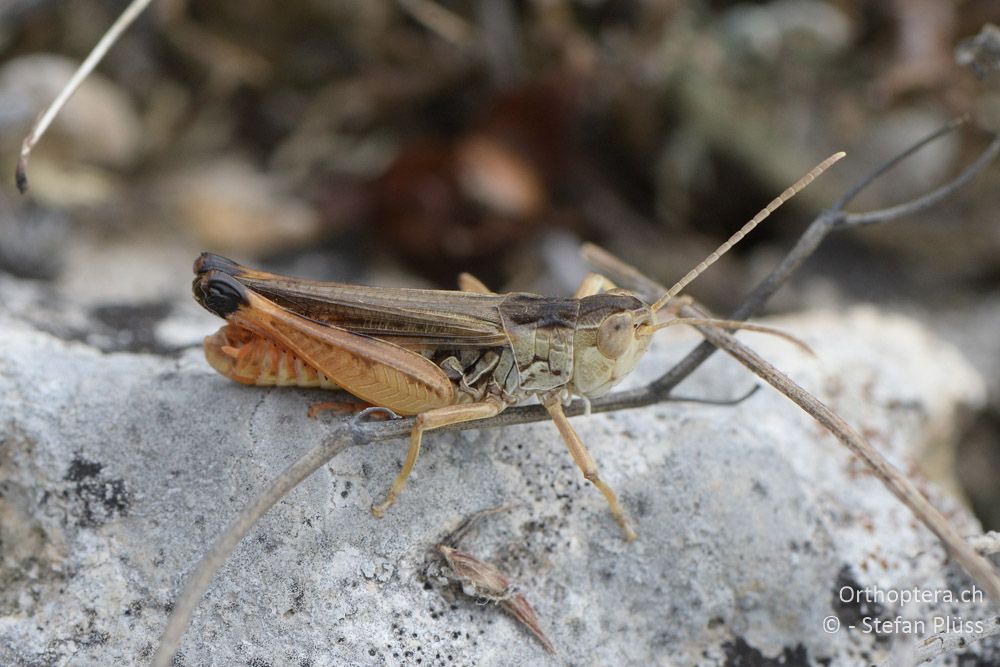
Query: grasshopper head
point(612, 335)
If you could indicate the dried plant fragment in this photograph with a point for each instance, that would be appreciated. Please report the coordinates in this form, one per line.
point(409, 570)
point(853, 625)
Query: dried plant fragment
point(485, 582)
point(86, 67)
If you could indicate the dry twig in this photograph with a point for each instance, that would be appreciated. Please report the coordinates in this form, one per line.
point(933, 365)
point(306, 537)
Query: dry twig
point(86, 67)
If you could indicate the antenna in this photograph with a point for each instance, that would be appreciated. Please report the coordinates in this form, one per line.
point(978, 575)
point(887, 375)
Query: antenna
point(738, 236)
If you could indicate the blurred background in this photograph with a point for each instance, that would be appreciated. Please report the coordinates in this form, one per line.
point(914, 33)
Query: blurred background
point(399, 142)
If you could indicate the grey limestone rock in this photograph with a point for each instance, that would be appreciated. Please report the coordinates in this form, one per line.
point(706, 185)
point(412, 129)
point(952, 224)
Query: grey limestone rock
point(118, 469)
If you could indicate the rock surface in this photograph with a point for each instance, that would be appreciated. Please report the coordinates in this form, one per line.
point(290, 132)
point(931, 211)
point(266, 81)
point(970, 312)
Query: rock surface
point(118, 469)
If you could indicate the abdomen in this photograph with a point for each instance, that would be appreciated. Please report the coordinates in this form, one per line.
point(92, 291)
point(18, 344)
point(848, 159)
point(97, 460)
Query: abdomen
point(245, 357)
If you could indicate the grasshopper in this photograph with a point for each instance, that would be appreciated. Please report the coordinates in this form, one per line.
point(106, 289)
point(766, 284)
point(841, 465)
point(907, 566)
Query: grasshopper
point(445, 356)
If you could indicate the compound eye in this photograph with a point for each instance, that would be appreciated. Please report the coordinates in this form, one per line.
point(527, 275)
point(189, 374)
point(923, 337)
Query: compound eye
point(615, 335)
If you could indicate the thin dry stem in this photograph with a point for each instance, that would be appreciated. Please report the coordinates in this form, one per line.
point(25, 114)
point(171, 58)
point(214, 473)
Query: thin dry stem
point(931, 198)
point(86, 67)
